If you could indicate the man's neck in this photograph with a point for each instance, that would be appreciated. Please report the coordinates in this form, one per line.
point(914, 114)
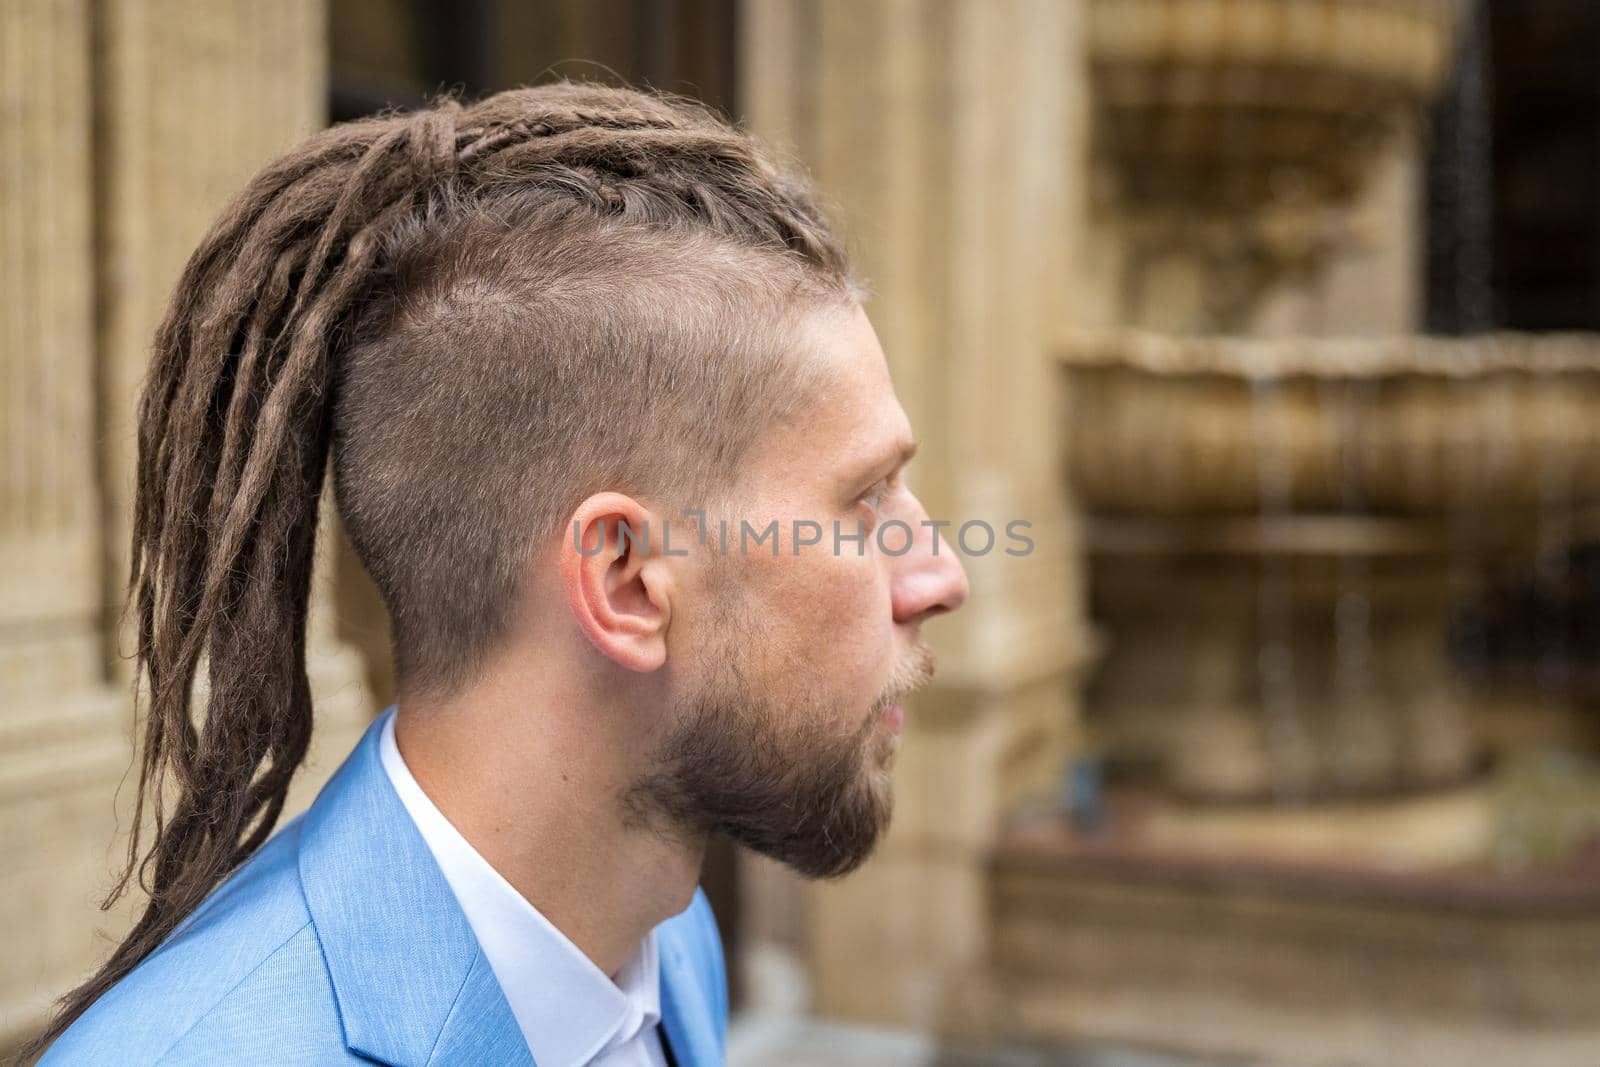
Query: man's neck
point(538, 794)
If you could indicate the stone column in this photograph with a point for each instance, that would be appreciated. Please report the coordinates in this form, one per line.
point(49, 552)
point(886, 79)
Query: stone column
point(61, 723)
point(950, 136)
point(128, 124)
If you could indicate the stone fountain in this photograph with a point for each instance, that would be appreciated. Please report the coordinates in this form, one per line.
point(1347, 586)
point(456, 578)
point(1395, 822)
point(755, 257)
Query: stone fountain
point(1307, 861)
point(1285, 492)
point(1241, 144)
point(1279, 528)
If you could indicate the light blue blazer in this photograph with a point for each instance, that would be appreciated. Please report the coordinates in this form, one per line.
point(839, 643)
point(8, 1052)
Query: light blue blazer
point(340, 941)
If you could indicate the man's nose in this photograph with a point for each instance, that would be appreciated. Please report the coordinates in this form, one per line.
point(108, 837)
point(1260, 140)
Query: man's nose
point(929, 580)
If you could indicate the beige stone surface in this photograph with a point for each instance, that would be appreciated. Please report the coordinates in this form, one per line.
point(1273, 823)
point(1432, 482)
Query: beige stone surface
point(60, 727)
point(1299, 977)
point(49, 546)
point(1500, 423)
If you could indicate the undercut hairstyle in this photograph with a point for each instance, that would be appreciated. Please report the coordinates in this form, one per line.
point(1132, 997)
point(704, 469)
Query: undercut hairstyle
point(481, 315)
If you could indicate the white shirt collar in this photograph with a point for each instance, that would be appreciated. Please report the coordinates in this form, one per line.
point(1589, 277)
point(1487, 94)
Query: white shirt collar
point(568, 1010)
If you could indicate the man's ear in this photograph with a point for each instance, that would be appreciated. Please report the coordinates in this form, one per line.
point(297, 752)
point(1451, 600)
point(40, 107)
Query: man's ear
point(616, 581)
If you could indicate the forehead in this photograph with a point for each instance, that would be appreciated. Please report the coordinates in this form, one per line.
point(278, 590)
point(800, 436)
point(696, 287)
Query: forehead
point(854, 413)
point(850, 416)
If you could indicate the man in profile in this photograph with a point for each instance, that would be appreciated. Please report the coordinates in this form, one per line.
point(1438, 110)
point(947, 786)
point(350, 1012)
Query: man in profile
point(612, 435)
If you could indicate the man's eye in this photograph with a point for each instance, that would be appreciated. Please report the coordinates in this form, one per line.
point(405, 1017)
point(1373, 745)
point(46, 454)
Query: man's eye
point(874, 497)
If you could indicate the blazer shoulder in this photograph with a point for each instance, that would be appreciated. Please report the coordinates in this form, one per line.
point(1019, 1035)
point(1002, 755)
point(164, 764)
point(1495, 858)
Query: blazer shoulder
point(282, 1013)
point(253, 935)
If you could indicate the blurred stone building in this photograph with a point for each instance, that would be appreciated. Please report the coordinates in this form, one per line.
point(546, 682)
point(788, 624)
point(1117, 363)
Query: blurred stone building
point(1240, 761)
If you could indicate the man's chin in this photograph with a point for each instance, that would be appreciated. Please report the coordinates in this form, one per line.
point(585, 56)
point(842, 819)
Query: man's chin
point(844, 848)
point(812, 800)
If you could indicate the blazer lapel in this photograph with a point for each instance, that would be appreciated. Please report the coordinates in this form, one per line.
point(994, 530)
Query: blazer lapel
point(412, 984)
point(480, 1027)
point(686, 1011)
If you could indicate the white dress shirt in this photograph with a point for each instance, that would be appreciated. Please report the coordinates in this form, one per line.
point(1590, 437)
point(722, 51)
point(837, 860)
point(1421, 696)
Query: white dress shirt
point(569, 1012)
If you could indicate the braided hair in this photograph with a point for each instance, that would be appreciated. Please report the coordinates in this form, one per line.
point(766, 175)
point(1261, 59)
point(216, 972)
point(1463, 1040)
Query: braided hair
point(461, 307)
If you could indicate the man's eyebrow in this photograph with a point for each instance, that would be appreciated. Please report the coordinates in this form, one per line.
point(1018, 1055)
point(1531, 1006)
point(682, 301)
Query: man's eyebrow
point(903, 451)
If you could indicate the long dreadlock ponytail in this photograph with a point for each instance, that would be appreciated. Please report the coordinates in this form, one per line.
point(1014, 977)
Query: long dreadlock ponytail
point(324, 252)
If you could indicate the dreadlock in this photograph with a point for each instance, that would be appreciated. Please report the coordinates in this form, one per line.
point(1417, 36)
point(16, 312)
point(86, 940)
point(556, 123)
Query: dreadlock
point(458, 305)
